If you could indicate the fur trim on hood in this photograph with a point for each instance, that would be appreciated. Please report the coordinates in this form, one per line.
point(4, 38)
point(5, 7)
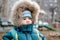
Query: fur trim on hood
point(22, 5)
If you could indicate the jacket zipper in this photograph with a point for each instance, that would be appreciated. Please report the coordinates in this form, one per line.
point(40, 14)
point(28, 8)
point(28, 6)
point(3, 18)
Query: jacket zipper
point(26, 36)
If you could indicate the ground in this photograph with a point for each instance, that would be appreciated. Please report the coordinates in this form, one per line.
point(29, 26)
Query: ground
point(52, 35)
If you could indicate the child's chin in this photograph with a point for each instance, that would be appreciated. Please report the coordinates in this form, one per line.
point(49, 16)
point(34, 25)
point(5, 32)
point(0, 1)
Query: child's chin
point(27, 24)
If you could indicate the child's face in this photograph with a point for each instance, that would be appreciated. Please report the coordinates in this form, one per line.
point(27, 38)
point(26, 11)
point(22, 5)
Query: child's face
point(26, 20)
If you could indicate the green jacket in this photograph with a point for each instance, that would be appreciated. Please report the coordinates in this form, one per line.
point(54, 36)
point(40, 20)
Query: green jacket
point(24, 32)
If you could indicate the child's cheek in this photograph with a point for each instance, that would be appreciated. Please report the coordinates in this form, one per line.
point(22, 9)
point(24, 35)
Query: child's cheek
point(24, 22)
point(30, 22)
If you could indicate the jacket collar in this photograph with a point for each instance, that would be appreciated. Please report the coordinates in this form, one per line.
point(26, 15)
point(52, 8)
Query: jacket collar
point(25, 28)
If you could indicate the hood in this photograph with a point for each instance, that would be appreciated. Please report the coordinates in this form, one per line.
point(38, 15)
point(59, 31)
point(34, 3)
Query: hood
point(20, 6)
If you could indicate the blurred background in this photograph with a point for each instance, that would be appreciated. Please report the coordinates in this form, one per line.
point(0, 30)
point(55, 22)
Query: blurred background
point(49, 15)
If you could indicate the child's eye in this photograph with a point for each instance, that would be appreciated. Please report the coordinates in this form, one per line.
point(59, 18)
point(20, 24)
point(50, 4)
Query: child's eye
point(24, 18)
point(30, 18)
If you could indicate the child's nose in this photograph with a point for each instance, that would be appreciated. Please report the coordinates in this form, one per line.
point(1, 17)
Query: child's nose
point(27, 21)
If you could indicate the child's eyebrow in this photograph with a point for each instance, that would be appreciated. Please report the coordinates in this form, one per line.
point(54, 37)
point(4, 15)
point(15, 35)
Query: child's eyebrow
point(23, 17)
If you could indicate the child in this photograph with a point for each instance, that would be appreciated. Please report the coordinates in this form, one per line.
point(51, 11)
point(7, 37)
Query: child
point(24, 15)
